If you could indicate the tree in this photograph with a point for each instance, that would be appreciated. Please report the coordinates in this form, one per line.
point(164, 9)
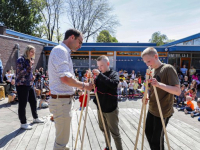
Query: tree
point(170, 40)
point(91, 16)
point(104, 36)
point(50, 12)
point(158, 38)
point(20, 15)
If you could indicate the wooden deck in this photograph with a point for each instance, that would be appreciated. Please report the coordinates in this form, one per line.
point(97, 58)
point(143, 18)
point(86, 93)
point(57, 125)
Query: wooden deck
point(181, 135)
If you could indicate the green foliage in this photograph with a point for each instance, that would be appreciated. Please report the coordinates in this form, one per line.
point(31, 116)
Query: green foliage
point(170, 40)
point(158, 38)
point(20, 15)
point(105, 37)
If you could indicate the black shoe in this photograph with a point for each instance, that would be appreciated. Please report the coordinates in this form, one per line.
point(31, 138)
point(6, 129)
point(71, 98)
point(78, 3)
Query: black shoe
point(13, 102)
point(107, 148)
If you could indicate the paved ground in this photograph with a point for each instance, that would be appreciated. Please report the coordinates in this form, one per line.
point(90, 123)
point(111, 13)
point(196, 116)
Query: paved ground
point(9, 121)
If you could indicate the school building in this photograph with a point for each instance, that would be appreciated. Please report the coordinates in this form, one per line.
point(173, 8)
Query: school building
point(126, 56)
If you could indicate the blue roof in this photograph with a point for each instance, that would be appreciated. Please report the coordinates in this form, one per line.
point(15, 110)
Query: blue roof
point(119, 44)
point(195, 36)
point(111, 48)
point(26, 36)
point(184, 48)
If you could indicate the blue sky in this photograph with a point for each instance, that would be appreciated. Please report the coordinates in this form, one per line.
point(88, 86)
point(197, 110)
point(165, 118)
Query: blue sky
point(139, 19)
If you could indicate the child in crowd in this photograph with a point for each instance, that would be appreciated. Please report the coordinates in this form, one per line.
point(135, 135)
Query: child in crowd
point(125, 74)
point(192, 93)
point(47, 92)
point(196, 77)
point(180, 77)
point(194, 85)
point(43, 103)
point(46, 83)
point(38, 87)
point(186, 82)
point(122, 77)
point(140, 80)
point(196, 112)
point(131, 92)
point(81, 96)
point(189, 106)
point(124, 87)
point(181, 97)
point(136, 86)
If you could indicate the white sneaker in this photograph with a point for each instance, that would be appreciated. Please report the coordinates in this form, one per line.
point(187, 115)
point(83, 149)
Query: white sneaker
point(38, 120)
point(26, 126)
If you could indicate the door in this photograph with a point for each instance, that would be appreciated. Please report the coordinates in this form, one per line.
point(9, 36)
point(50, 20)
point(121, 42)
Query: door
point(185, 61)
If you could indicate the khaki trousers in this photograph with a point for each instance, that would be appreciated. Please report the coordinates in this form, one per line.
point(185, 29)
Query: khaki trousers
point(111, 122)
point(61, 108)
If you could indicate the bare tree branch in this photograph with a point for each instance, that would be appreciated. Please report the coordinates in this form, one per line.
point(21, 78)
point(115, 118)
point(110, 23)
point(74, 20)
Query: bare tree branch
point(91, 16)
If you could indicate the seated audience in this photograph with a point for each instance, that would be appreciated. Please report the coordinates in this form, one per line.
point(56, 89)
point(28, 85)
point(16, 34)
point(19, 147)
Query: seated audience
point(8, 77)
point(186, 82)
point(196, 112)
point(131, 92)
point(43, 103)
point(196, 77)
point(181, 97)
point(11, 91)
point(189, 107)
point(38, 88)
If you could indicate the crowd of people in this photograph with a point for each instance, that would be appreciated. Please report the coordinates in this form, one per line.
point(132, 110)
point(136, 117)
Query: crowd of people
point(188, 97)
point(40, 85)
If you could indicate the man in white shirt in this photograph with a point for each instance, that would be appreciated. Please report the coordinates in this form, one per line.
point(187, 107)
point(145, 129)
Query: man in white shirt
point(62, 83)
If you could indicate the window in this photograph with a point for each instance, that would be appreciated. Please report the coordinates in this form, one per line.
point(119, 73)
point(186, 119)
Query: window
point(129, 54)
point(80, 61)
point(80, 53)
point(162, 54)
point(197, 41)
point(196, 63)
point(188, 42)
point(99, 53)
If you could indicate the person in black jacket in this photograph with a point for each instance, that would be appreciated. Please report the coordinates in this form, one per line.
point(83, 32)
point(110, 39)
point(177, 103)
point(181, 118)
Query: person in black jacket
point(106, 82)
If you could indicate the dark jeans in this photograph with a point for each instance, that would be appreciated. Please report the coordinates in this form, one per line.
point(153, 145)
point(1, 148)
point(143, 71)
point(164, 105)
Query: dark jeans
point(187, 108)
point(131, 93)
point(154, 131)
point(25, 94)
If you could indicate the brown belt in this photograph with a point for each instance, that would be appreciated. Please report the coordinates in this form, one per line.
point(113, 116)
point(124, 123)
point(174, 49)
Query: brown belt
point(60, 96)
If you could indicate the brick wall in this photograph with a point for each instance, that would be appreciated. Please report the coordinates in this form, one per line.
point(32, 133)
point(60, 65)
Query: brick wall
point(9, 54)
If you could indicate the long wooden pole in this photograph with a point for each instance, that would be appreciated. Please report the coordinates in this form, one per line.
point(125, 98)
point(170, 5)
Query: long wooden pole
point(86, 112)
point(101, 115)
point(142, 109)
point(79, 123)
point(145, 97)
point(161, 116)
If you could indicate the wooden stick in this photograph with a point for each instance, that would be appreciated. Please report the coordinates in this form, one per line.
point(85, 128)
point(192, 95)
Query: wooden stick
point(79, 123)
point(161, 116)
point(101, 115)
point(145, 97)
point(142, 109)
point(86, 112)
point(139, 125)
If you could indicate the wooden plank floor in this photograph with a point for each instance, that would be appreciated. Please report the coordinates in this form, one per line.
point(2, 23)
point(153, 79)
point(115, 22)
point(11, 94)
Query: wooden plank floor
point(181, 135)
